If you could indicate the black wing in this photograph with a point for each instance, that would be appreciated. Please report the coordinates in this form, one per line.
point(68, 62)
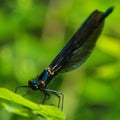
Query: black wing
point(77, 50)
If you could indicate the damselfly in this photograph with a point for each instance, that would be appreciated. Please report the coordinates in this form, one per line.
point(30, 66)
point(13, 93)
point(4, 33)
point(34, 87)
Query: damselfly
point(72, 56)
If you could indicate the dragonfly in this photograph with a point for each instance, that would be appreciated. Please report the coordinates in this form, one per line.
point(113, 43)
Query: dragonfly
point(72, 56)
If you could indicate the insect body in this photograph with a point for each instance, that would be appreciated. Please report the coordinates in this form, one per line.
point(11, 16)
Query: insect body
point(73, 55)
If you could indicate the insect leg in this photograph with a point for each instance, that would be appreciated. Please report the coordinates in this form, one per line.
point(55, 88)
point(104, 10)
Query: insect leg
point(45, 97)
point(18, 87)
point(58, 94)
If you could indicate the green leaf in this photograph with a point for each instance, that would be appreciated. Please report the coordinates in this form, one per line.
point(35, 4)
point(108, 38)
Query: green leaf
point(49, 112)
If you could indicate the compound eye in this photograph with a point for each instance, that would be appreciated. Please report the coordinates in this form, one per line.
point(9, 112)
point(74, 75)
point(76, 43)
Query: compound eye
point(42, 84)
point(30, 82)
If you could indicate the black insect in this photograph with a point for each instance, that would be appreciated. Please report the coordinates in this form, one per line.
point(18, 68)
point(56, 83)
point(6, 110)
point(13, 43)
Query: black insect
point(74, 54)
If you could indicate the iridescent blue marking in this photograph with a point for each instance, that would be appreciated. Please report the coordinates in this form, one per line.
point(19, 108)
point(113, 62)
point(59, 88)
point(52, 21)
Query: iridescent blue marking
point(35, 83)
point(45, 76)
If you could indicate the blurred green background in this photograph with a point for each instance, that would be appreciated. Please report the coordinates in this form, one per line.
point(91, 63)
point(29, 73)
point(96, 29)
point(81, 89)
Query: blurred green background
point(32, 32)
